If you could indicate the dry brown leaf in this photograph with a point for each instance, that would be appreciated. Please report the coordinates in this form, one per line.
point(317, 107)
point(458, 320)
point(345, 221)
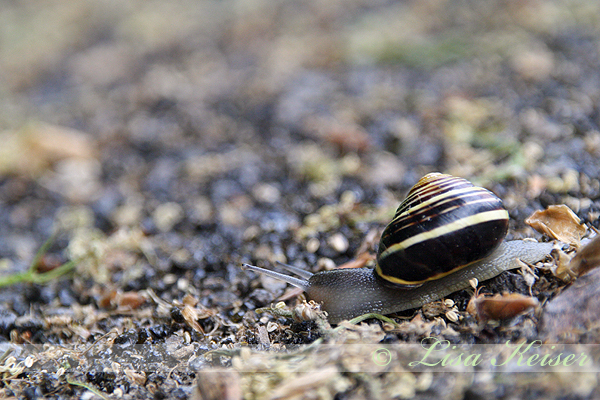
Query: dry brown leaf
point(563, 268)
point(190, 300)
point(131, 300)
point(558, 222)
point(191, 317)
point(33, 148)
point(500, 306)
point(587, 258)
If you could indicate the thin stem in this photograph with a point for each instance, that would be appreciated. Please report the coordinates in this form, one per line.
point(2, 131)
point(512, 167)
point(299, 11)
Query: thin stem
point(31, 275)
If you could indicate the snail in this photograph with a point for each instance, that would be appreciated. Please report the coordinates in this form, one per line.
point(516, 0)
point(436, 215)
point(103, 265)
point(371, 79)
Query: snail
point(445, 233)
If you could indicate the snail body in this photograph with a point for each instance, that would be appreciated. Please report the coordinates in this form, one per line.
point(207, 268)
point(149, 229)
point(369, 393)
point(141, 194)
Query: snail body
point(445, 233)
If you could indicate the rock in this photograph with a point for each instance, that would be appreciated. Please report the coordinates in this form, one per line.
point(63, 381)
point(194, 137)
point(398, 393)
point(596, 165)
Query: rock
point(573, 312)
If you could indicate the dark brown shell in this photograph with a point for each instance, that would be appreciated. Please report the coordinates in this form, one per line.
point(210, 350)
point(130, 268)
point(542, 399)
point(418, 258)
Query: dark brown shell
point(444, 224)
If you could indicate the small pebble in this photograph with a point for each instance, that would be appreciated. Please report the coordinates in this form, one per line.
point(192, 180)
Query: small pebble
point(167, 215)
point(266, 193)
point(182, 284)
point(313, 245)
point(170, 279)
point(202, 210)
point(326, 264)
point(534, 64)
point(338, 242)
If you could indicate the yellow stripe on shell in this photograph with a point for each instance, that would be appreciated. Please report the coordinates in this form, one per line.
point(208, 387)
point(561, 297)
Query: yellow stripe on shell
point(399, 281)
point(442, 193)
point(442, 230)
point(442, 198)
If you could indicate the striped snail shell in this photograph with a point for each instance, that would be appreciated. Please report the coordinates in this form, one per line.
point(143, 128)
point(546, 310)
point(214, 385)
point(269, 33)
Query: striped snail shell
point(444, 224)
point(444, 234)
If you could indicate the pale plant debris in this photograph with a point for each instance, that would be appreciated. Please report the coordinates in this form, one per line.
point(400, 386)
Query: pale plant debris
point(444, 307)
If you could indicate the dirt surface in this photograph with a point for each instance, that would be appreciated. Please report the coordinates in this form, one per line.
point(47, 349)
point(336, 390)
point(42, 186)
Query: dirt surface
point(150, 148)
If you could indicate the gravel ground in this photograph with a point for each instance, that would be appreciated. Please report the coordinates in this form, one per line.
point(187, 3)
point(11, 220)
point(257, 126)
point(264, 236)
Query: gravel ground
point(150, 148)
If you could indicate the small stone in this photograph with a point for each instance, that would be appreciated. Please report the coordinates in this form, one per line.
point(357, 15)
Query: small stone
point(183, 284)
point(202, 210)
point(170, 279)
point(534, 64)
point(167, 215)
point(266, 193)
point(313, 245)
point(559, 324)
point(338, 242)
point(130, 213)
point(326, 264)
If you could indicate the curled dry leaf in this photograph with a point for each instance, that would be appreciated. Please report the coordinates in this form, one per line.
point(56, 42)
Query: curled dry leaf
point(587, 258)
point(123, 300)
point(190, 300)
point(500, 306)
point(131, 300)
point(193, 314)
point(562, 269)
point(558, 222)
point(32, 149)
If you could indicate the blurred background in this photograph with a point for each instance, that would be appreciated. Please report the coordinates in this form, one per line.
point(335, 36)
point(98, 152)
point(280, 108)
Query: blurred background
point(162, 143)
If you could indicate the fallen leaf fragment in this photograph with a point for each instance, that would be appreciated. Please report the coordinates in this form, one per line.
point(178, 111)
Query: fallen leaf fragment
point(558, 222)
point(563, 269)
point(500, 306)
point(193, 314)
point(131, 300)
point(587, 258)
point(31, 149)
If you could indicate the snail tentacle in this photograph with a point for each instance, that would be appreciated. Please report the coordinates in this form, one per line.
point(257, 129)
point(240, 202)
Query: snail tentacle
point(295, 270)
point(300, 283)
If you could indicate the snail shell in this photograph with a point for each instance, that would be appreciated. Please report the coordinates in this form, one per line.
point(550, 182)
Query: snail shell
point(444, 234)
point(444, 224)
